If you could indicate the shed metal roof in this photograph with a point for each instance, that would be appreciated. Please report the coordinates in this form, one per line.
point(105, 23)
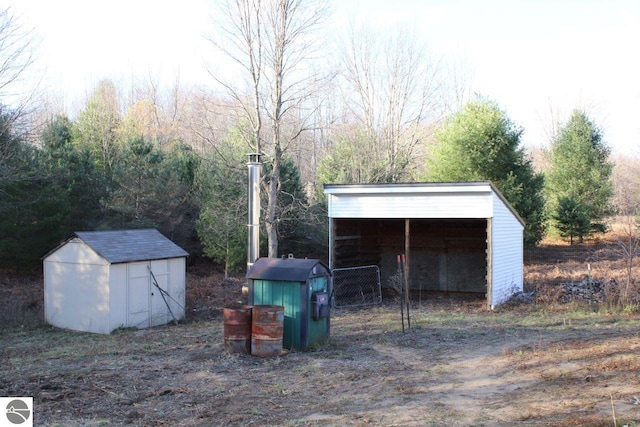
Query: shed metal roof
point(119, 246)
point(288, 269)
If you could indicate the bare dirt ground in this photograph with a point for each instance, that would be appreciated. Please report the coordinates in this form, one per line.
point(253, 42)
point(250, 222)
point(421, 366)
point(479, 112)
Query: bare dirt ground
point(542, 363)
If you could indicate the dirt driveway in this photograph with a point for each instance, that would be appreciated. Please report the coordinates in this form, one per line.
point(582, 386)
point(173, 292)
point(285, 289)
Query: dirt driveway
point(458, 365)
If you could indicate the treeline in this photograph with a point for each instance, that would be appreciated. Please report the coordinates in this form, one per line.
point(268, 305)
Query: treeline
point(105, 170)
point(175, 158)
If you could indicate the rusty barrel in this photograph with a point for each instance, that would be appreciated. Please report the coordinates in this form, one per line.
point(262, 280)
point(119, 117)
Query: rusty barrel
point(267, 327)
point(237, 329)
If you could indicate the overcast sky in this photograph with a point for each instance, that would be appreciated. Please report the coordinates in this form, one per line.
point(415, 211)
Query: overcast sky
point(529, 56)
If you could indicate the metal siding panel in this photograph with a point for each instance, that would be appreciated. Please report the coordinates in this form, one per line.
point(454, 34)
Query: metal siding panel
point(117, 296)
point(304, 317)
point(453, 205)
point(318, 329)
point(507, 268)
point(286, 294)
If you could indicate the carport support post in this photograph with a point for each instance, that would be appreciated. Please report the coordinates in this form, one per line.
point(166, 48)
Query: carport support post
point(489, 277)
point(407, 270)
point(332, 233)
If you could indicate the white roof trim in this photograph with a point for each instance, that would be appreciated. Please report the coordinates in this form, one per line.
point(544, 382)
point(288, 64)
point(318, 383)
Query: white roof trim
point(472, 187)
point(457, 187)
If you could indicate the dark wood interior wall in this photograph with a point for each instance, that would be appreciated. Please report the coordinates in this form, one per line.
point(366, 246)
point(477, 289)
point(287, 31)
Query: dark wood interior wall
point(446, 255)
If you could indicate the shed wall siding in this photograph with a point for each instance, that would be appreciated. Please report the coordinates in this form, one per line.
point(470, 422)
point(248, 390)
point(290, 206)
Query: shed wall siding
point(458, 205)
point(118, 296)
point(76, 252)
point(507, 259)
point(77, 296)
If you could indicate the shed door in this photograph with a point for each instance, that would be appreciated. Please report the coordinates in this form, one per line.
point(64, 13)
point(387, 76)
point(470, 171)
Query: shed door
point(147, 306)
point(159, 311)
point(139, 295)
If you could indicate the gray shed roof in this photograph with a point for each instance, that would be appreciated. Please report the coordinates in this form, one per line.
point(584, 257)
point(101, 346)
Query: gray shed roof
point(118, 246)
point(287, 269)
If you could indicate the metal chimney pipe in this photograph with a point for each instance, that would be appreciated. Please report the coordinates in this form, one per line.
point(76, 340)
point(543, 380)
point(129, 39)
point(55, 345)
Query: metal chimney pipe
point(253, 238)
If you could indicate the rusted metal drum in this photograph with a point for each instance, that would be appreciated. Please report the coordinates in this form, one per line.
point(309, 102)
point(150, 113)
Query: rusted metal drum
point(267, 326)
point(237, 329)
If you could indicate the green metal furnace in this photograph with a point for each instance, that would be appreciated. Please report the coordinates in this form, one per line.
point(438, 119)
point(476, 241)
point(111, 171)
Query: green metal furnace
point(303, 288)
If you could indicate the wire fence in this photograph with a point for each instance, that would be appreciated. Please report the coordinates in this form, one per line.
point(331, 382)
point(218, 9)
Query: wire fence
point(601, 272)
point(356, 286)
point(580, 253)
point(584, 268)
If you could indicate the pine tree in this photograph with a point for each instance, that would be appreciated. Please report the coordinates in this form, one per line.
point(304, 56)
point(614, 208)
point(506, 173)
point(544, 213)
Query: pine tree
point(481, 143)
point(571, 218)
point(580, 170)
point(221, 192)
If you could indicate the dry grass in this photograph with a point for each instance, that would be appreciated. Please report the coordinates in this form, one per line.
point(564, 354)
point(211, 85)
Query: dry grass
point(458, 365)
point(21, 300)
point(554, 263)
point(548, 363)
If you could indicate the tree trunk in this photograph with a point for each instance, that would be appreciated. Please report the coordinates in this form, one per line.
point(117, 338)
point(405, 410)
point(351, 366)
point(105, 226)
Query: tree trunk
point(272, 193)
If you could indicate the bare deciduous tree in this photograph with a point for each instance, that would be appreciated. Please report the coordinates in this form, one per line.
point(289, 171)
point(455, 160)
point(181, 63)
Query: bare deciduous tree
point(457, 76)
point(98, 124)
point(627, 201)
point(153, 112)
point(392, 90)
point(16, 56)
point(273, 42)
point(16, 51)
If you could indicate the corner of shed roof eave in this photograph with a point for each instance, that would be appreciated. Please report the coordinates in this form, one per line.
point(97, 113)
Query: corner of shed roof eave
point(58, 246)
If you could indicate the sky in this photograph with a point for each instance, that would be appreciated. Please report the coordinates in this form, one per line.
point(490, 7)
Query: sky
point(538, 59)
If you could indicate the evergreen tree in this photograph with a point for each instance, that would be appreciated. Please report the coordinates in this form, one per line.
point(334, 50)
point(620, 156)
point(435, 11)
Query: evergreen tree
point(137, 183)
point(480, 143)
point(221, 191)
point(74, 169)
point(98, 125)
point(580, 170)
point(33, 207)
point(571, 218)
point(181, 164)
point(152, 187)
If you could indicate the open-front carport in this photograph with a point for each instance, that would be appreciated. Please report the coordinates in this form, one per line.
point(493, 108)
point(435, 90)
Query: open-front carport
point(457, 237)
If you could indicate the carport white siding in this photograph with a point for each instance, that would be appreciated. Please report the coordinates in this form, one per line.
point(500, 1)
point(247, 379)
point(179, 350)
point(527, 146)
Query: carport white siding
point(506, 254)
point(469, 200)
point(409, 201)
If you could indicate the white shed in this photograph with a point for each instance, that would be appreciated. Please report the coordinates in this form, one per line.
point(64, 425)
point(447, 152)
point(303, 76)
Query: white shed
point(98, 281)
point(458, 237)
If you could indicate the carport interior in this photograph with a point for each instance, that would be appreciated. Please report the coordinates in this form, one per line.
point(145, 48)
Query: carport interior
point(444, 255)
